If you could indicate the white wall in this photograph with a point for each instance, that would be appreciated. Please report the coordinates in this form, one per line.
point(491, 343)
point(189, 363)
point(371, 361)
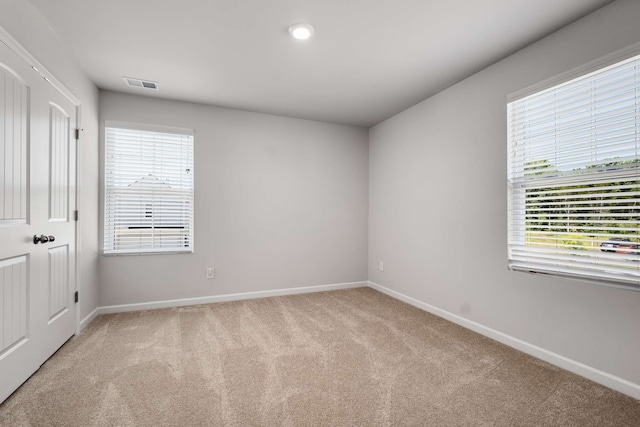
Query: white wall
point(25, 24)
point(279, 203)
point(438, 208)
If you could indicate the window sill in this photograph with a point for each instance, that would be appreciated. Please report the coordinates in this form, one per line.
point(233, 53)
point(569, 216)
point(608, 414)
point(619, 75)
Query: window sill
point(590, 280)
point(135, 253)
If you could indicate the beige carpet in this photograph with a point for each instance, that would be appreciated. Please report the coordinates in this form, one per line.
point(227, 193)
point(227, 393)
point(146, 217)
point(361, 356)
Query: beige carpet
point(343, 358)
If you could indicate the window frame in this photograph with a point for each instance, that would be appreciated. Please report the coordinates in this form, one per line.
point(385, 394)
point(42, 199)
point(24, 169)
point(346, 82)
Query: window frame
point(145, 127)
point(588, 68)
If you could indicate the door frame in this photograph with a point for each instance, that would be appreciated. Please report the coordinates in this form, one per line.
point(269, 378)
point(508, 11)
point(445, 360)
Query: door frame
point(38, 68)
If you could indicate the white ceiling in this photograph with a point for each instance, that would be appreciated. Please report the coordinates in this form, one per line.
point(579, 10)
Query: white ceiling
point(368, 59)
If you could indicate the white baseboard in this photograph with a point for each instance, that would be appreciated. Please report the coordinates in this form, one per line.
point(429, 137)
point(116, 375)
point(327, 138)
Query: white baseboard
point(84, 322)
point(228, 297)
point(596, 375)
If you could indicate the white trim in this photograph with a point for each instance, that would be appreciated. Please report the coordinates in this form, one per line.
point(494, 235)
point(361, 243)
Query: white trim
point(148, 127)
point(85, 322)
point(602, 62)
point(596, 375)
point(78, 228)
point(228, 297)
point(608, 380)
point(19, 50)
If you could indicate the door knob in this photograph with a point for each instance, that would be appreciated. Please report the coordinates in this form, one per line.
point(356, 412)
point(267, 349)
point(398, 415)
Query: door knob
point(42, 239)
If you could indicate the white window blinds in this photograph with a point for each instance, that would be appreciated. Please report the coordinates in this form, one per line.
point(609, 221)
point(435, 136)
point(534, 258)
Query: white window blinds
point(574, 178)
point(148, 190)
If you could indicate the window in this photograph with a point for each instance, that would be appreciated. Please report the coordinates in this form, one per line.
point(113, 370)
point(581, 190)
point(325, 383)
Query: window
point(148, 190)
point(574, 177)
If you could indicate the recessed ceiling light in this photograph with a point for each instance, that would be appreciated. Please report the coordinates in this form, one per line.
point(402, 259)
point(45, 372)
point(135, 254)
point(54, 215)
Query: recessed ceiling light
point(301, 31)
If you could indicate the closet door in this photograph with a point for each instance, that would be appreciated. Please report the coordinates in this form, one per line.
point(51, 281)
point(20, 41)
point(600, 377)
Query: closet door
point(37, 231)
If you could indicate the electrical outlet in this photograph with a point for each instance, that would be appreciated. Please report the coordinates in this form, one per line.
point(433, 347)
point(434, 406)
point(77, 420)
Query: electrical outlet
point(381, 266)
point(210, 272)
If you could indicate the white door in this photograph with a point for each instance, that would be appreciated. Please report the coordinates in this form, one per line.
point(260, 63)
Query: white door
point(37, 197)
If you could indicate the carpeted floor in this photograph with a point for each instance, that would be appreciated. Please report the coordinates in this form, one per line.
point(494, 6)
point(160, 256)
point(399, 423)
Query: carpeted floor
point(342, 358)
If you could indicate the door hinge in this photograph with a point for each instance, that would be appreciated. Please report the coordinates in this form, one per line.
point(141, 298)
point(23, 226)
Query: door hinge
point(77, 134)
point(75, 298)
point(75, 215)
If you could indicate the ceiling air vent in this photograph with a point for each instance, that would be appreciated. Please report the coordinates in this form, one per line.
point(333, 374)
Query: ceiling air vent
point(143, 84)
